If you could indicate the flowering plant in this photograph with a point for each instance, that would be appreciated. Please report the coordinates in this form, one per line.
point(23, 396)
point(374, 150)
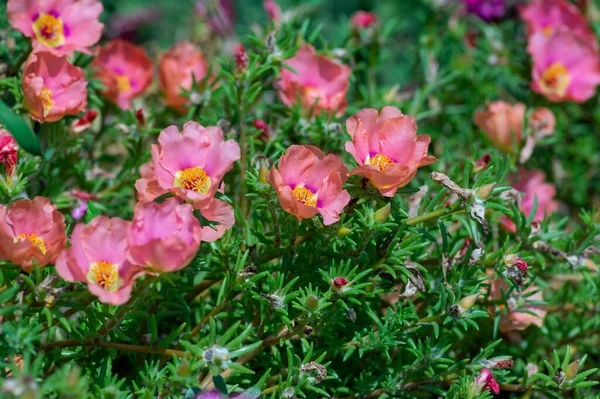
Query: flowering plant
point(215, 199)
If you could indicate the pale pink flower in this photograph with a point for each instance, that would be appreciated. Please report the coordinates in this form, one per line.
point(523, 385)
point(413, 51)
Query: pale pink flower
point(308, 182)
point(532, 183)
point(363, 19)
point(503, 124)
point(163, 237)
point(32, 230)
point(486, 380)
point(53, 87)
point(190, 163)
point(9, 150)
point(177, 69)
point(125, 70)
point(320, 82)
point(565, 68)
point(387, 148)
point(548, 15)
point(60, 26)
point(98, 257)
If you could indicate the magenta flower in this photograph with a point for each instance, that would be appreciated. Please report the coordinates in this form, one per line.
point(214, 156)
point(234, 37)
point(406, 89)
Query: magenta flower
point(565, 68)
point(387, 148)
point(363, 19)
point(60, 27)
point(308, 182)
point(163, 237)
point(98, 257)
point(486, 9)
point(53, 87)
point(125, 71)
point(32, 230)
point(9, 151)
point(548, 15)
point(486, 380)
point(320, 82)
point(190, 164)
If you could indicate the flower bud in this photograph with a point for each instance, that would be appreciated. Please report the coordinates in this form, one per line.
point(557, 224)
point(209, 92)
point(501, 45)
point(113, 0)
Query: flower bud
point(467, 302)
point(482, 162)
point(486, 380)
point(513, 260)
point(262, 125)
point(382, 214)
point(484, 192)
point(311, 303)
point(572, 369)
point(339, 282)
point(140, 118)
point(263, 172)
point(343, 232)
point(559, 377)
point(85, 122)
point(241, 58)
point(363, 20)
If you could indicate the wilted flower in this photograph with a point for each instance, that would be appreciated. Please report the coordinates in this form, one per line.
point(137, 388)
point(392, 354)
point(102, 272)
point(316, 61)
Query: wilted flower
point(308, 182)
point(320, 82)
point(532, 183)
point(60, 27)
point(163, 237)
point(503, 124)
point(32, 230)
point(486, 380)
point(9, 150)
point(486, 9)
point(387, 148)
point(53, 87)
point(565, 68)
point(548, 15)
point(98, 257)
point(363, 19)
point(85, 122)
point(178, 69)
point(125, 71)
point(190, 164)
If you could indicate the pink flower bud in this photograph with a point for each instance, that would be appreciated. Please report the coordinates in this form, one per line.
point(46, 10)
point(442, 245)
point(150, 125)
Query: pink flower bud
point(486, 379)
point(363, 19)
point(273, 10)
point(513, 260)
point(482, 162)
point(339, 282)
point(262, 125)
point(241, 58)
point(139, 116)
point(85, 122)
point(8, 151)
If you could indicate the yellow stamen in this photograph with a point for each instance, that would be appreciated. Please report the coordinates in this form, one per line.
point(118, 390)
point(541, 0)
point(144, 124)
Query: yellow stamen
point(123, 84)
point(555, 80)
point(380, 160)
point(35, 240)
point(49, 30)
point(304, 195)
point(547, 30)
point(46, 100)
point(194, 179)
point(105, 275)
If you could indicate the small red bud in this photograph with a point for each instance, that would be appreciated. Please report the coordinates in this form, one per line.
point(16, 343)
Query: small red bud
point(85, 122)
point(486, 379)
point(339, 282)
point(483, 162)
point(241, 58)
point(363, 19)
point(262, 125)
point(141, 119)
point(513, 260)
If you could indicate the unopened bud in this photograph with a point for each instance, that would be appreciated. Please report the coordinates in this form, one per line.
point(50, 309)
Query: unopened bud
point(343, 232)
point(572, 369)
point(482, 163)
point(139, 116)
point(85, 122)
point(467, 302)
point(262, 125)
point(382, 214)
point(339, 282)
point(263, 172)
point(184, 369)
point(311, 303)
point(241, 58)
point(484, 192)
point(513, 260)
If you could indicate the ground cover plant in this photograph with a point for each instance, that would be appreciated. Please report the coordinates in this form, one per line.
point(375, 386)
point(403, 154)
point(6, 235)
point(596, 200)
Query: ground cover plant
point(284, 199)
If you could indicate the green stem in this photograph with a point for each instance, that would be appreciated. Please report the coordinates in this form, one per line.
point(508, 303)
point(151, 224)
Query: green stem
point(114, 345)
point(453, 209)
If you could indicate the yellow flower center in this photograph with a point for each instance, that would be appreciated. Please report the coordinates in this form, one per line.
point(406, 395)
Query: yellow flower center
point(380, 160)
point(547, 30)
point(46, 100)
point(123, 84)
point(49, 30)
point(555, 80)
point(194, 179)
point(304, 195)
point(35, 240)
point(105, 275)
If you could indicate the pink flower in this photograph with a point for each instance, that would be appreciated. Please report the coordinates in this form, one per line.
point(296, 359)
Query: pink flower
point(218, 212)
point(163, 237)
point(9, 150)
point(85, 122)
point(308, 182)
point(125, 71)
point(53, 87)
point(513, 320)
point(241, 58)
point(320, 82)
point(273, 10)
point(98, 257)
point(565, 67)
point(178, 68)
point(548, 15)
point(503, 124)
point(190, 164)
point(542, 121)
point(486, 380)
point(61, 26)
point(32, 230)
point(363, 19)
point(387, 148)
point(532, 183)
